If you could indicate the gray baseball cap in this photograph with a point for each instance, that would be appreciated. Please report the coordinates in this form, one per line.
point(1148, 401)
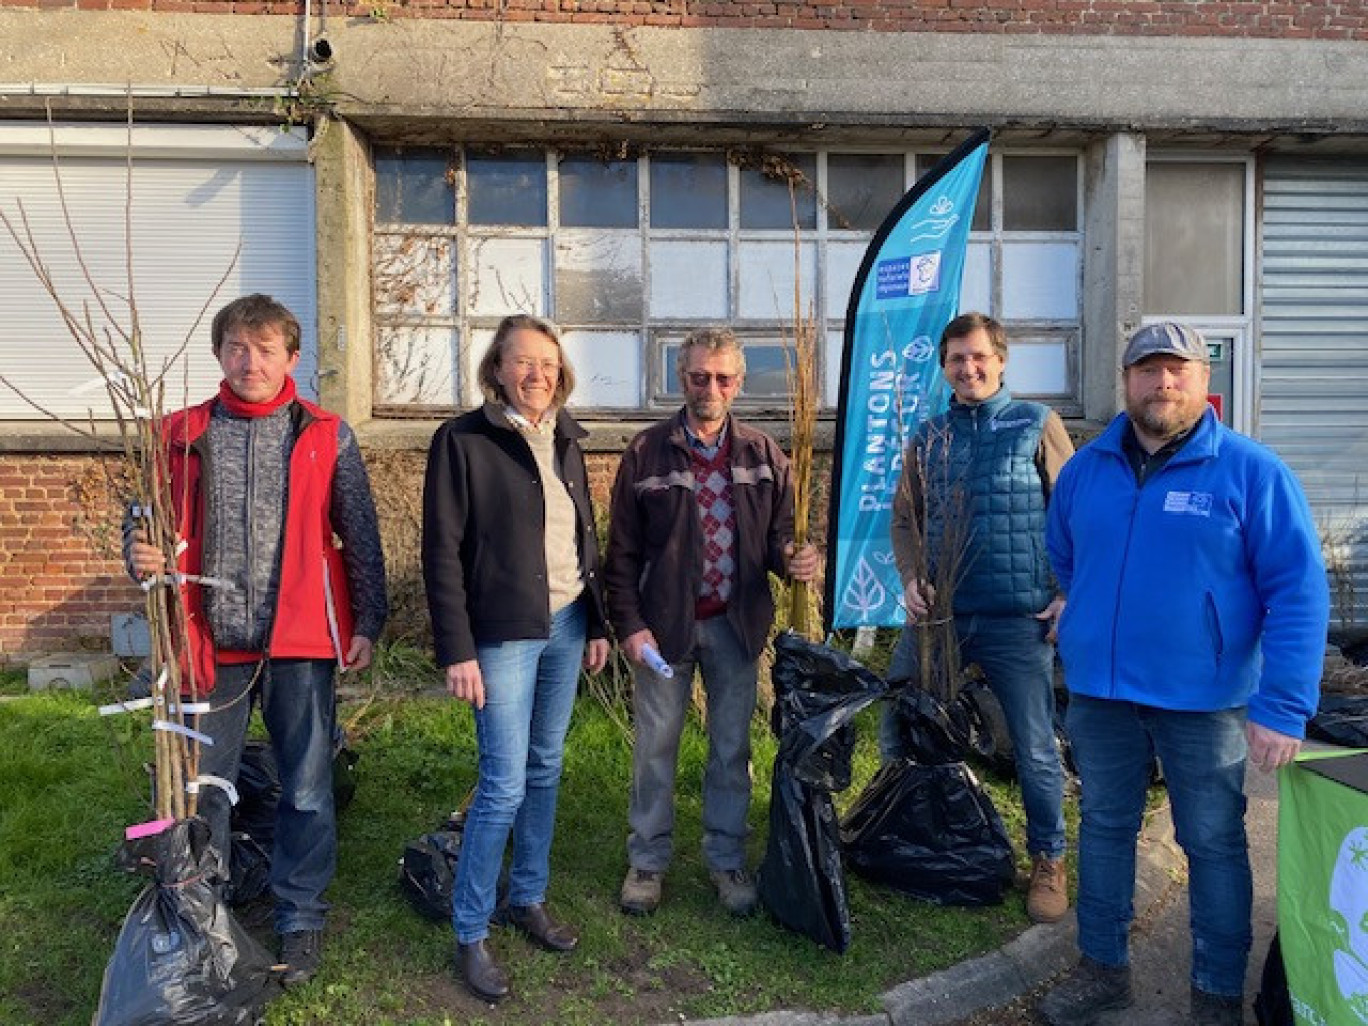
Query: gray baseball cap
point(1169, 338)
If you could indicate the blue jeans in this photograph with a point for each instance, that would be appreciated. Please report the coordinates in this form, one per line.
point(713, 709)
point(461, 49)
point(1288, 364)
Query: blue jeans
point(297, 705)
point(529, 695)
point(1019, 663)
point(659, 707)
point(1203, 759)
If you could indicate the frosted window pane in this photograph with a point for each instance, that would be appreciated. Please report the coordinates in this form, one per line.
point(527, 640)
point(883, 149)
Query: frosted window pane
point(862, 188)
point(1039, 194)
point(507, 276)
point(843, 263)
point(766, 369)
point(765, 201)
point(415, 276)
point(831, 389)
point(1038, 367)
point(607, 368)
point(473, 353)
point(598, 194)
point(688, 190)
point(416, 366)
point(767, 280)
point(1194, 239)
point(976, 290)
point(598, 277)
point(1040, 281)
point(509, 189)
point(689, 279)
point(414, 187)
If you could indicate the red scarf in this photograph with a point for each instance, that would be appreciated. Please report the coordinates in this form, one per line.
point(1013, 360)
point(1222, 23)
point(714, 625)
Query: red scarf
point(240, 407)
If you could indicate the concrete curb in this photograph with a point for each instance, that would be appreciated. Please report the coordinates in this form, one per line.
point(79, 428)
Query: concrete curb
point(1018, 967)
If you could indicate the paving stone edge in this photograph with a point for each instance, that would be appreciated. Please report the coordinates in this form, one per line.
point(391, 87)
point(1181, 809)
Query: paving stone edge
point(998, 977)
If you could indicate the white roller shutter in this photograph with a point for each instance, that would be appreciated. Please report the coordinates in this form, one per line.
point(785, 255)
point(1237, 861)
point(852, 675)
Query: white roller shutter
point(199, 194)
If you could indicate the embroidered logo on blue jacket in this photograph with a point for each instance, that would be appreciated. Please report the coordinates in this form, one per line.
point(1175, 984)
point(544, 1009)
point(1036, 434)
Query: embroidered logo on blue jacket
point(1194, 503)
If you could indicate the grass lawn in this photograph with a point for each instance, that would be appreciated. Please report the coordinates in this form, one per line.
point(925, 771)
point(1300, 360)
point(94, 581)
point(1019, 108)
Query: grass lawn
point(70, 781)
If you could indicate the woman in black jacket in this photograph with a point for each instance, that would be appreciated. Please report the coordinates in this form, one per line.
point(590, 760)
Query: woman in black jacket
point(511, 566)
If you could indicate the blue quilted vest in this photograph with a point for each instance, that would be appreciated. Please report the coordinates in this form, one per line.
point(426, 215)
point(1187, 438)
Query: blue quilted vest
point(989, 451)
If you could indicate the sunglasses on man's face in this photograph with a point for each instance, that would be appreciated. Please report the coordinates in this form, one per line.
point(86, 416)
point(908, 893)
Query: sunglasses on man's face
point(700, 379)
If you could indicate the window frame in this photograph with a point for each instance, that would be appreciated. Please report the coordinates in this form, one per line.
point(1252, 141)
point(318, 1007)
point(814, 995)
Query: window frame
point(656, 333)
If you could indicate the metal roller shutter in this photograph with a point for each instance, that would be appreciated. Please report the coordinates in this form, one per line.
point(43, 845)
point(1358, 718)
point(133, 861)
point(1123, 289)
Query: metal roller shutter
point(1313, 403)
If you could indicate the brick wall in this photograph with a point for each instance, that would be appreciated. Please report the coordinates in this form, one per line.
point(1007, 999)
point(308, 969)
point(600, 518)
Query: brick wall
point(59, 542)
point(1293, 19)
point(63, 576)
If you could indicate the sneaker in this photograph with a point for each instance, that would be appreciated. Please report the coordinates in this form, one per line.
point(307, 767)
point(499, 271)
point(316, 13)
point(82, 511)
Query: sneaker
point(1086, 990)
point(300, 953)
point(1047, 896)
point(1215, 1009)
point(736, 890)
point(640, 892)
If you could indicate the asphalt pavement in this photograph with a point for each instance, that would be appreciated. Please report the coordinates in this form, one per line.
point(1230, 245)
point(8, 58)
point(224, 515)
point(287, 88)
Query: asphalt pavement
point(997, 989)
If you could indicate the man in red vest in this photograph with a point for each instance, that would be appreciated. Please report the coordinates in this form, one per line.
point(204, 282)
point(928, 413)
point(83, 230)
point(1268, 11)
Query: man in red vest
point(263, 481)
point(702, 513)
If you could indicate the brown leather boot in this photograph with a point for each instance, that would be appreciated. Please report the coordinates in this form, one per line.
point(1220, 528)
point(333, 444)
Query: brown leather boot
point(482, 975)
point(536, 922)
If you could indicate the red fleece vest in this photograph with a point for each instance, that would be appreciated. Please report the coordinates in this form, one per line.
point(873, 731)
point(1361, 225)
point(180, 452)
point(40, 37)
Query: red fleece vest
point(313, 615)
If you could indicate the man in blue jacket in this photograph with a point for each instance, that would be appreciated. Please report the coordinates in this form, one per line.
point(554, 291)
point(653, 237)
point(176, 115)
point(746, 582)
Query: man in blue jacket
point(1195, 631)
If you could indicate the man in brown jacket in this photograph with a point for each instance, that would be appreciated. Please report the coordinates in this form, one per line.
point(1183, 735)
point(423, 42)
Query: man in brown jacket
point(702, 512)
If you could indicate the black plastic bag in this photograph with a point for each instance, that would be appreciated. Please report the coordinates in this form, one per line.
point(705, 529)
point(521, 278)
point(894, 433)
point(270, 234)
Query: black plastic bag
point(931, 832)
point(1341, 720)
point(928, 731)
point(977, 714)
point(182, 959)
point(249, 871)
point(801, 880)
point(427, 869)
point(258, 788)
point(818, 690)
point(1273, 1004)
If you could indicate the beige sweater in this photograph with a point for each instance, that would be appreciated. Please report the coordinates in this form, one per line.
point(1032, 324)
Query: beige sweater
point(563, 578)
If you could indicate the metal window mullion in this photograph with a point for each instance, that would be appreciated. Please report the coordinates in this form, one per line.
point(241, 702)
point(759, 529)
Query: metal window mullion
point(995, 234)
point(645, 340)
point(552, 233)
point(464, 258)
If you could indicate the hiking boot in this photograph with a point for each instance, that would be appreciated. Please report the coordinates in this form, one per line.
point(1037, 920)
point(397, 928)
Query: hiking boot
point(1047, 896)
point(300, 953)
point(1215, 1009)
point(640, 892)
point(1086, 990)
point(736, 890)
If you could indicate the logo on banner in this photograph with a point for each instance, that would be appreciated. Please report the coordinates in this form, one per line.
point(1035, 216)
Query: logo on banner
point(925, 274)
point(938, 225)
point(865, 593)
point(894, 276)
point(921, 349)
point(1349, 898)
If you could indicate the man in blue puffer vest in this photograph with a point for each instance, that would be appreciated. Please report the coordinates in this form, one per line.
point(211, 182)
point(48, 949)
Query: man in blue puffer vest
point(1195, 631)
point(986, 467)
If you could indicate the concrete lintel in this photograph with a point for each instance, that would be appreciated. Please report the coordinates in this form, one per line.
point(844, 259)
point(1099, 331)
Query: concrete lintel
point(460, 69)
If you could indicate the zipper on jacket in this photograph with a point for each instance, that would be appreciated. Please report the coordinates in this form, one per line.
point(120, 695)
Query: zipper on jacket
point(1140, 487)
